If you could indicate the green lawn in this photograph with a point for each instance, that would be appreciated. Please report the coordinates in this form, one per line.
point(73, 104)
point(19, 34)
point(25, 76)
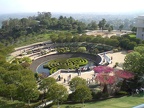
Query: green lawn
point(132, 35)
point(32, 39)
point(122, 102)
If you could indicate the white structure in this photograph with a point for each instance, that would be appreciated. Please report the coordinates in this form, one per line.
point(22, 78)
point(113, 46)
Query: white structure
point(140, 27)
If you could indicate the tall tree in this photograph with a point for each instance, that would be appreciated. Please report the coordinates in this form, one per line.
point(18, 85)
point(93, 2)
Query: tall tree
point(77, 81)
point(132, 62)
point(57, 93)
point(45, 84)
point(82, 94)
point(102, 24)
point(121, 27)
point(27, 91)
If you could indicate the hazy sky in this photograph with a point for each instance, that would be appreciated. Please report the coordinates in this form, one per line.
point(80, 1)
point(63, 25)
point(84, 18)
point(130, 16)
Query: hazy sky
point(73, 6)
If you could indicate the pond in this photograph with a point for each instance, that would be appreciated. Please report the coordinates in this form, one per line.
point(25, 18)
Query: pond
point(46, 71)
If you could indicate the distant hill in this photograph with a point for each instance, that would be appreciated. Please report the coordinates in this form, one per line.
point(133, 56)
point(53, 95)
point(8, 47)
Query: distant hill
point(85, 17)
point(16, 15)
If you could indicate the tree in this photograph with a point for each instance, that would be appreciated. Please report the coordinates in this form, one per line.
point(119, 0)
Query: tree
point(81, 49)
point(110, 28)
point(124, 42)
point(82, 38)
point(54, 38)
point(121, 27)
point(45, 84)
point(57, 93)
point(125, 75)
point(11, 90)
point(94, 51)
point(132, 62)
point(113, 42)
point(75, 82)
point(131, 45)
point(134, 29)
point(103, 76)
point(107, 76)
point(102, 24)
point(2, 88)
point(82, 94)
point(27, 86)
point(89, 38)
point(27, 91)
point(75, 38)
point(139, 49)
point(92, 25)
point(68, 39)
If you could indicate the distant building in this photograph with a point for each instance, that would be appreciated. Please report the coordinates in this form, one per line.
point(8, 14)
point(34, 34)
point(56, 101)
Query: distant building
point(140, 27)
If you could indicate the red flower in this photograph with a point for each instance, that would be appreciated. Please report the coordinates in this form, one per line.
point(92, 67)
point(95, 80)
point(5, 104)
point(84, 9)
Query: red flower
point(105, 69)
point(124, 74)
point(105, 78)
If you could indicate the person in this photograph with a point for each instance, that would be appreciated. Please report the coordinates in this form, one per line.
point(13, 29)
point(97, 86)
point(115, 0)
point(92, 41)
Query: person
point(80, 71)
point(59, 77)
point(77, 70)
point(68, 69)
point(93, 77)
point(64, 80)
point(137, 91)
point(70, 76)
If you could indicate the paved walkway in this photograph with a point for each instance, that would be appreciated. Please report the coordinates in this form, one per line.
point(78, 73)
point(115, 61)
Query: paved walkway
point(117, 57)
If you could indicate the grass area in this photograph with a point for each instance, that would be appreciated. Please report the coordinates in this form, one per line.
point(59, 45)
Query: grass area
point(132, 35)
point(32, 39)
point(122, 102)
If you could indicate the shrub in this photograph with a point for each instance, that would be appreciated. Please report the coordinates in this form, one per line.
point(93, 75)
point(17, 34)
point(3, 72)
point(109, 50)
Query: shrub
point(121, 93)
point(96, 95)
point(115, 50)
point(72, 107)
point(71, 63)
point(105, 95)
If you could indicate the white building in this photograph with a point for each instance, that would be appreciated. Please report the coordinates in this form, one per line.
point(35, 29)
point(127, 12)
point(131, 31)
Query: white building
point(140, 27)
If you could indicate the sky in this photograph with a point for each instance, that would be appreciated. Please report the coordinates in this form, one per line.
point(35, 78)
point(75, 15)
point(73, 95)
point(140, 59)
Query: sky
point(70, 6)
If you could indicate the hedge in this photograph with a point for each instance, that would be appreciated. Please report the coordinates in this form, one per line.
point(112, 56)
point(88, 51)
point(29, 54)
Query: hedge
point(71, 63)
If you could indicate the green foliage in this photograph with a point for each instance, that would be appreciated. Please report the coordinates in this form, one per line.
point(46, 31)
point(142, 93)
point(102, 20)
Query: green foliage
point(84, 47)
point(81, 49)
point(71, 63)
point(27, 30)
point(96, 95)
point(115, 50)
point(75, 82)
point(139, 49)
point(132, 62)
point(81, 94)
point(21, 62)
point(105, 95)
point(46, 83)
point(63, 50)
point(121, 93)
point(57, 93)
